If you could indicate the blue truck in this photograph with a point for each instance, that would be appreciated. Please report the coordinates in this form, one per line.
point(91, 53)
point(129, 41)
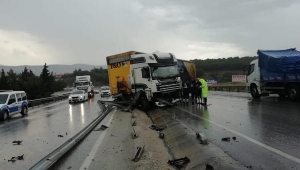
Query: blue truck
point(275, 72)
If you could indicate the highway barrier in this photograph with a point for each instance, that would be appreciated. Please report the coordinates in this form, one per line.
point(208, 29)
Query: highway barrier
point(37, 102)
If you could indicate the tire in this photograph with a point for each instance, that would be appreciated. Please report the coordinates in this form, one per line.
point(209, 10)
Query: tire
point(24, 111)
point(254, 92)
point(145, 104)
point(4, 115)
point(293, 93)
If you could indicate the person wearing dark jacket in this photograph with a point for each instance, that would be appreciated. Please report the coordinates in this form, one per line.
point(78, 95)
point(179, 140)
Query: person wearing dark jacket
point(193, 90)
point(185, 90)
point(199, 92)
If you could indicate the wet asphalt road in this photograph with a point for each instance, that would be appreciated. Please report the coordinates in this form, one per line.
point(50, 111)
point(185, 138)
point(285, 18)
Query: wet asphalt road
point(40, 129)
point(267, 130)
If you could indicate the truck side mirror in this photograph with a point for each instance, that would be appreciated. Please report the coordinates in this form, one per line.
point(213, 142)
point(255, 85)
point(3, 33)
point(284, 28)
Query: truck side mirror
point(145, 72)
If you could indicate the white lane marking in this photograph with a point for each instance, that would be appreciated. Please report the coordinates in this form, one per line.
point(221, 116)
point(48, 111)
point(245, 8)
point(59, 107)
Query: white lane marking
point(87, 162)
point(279, 152)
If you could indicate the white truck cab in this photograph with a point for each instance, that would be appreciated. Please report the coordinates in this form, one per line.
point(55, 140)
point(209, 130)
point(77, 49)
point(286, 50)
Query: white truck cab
point(253, 79)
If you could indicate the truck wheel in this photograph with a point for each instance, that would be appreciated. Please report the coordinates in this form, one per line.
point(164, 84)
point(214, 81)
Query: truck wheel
point(4, 115)
point(293, 92)
point(24, 111)
point(254, 92)
point(145, 104)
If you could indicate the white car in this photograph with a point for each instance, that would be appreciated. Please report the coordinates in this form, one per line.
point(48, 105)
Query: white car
point(78, 96)
point(105, 91)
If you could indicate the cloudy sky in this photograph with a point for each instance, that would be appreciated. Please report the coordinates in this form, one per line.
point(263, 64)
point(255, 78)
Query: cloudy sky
point(33, 32)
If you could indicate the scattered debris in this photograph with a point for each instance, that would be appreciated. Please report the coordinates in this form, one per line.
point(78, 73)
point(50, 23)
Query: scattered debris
point(202, 138)
point(20, 157)
point(132, 116)
point(133, 123)
point(60, 136)
point(157, 127)
point(161, 135)
point(234, 138)
point(17, 142)
point(179, 163)
point(13, 159)
point(133, 134)
point(209, 167)
point(66, 133)
point(226, 139)
point(69, 167)
point(138, 154)
point(250, 167)
point(102, 127)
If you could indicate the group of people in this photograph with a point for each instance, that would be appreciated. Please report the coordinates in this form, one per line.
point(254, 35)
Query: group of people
point(197, 88)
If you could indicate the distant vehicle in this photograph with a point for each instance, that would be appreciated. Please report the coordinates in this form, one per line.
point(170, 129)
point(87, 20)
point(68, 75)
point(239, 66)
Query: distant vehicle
point(105, 91)
point(78, 96)
point(96, 91)
point(275, 72)
point(13, 102)
point(84, 83)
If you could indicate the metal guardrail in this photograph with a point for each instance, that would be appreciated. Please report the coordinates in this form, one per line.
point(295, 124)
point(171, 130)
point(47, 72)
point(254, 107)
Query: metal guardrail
point(50, 159)
point(230, 88)
point(37, 102)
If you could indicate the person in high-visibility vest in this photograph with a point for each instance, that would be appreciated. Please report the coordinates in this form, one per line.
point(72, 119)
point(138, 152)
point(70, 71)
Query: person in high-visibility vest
point(204, 90)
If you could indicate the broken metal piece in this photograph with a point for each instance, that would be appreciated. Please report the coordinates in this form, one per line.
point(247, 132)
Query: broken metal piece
point(226, 139)
point(60, 136)
point(161, 135)
point(209, 167)
point(102, 127)
point(202, 138)
point(179, 163)
point(234, 138)
point(12, 159)
point(138, 153)
point(17, 142)
point(157, 127)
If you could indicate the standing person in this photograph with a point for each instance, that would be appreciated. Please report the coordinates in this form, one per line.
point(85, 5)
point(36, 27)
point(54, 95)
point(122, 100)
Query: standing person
point(193, 90)
point(199, 92)
point(185, 90)
point(204, 90)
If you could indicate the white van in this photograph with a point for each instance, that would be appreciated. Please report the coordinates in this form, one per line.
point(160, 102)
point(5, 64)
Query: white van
point(13, 102)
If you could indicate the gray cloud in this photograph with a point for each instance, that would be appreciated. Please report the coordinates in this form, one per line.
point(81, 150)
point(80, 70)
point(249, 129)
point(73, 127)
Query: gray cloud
point(68, 32)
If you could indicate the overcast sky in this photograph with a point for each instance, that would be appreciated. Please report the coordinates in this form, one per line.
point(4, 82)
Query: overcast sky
point(33, 32)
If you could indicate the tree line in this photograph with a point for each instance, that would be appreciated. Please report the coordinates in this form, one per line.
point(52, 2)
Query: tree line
point(35, 86)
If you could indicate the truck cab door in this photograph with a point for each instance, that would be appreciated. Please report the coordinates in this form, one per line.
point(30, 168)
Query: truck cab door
point(141, 78)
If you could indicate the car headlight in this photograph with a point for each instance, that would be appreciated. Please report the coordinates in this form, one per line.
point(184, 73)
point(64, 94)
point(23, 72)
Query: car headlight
point(81, 96)
point(70, 97)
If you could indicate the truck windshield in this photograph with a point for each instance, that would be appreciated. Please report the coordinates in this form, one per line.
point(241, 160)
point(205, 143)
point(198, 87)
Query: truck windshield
point(105, 88)
point(82, 84)
point(164, 72)
point(3, 98)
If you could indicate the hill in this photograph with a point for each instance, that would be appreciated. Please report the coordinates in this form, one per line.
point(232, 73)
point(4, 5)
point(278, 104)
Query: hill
point(55, 68)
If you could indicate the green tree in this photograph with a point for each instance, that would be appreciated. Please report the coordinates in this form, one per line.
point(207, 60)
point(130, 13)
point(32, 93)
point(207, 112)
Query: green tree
point(3, 81)
point(12, 80)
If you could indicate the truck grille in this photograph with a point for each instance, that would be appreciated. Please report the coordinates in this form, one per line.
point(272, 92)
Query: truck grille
point(168, 87)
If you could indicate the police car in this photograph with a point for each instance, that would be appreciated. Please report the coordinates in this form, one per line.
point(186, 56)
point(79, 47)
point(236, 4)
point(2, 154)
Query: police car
point(13, 102)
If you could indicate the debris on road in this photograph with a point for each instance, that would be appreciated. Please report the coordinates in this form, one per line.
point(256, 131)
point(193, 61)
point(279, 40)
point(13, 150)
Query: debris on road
point(17, 142)
point(179, 163)
point(226, 139)
point(20, 157)
point(102, 127)
point(250, 167)
point(161, 135)
point(138, 153)
point(234, 138)
point(66, 133)
point(13, 159)
point(69, 167)
point(157, 127)
point(202, 138)
point(209, 167)
point(133, 134)
point(60, 136)
point(133, 123)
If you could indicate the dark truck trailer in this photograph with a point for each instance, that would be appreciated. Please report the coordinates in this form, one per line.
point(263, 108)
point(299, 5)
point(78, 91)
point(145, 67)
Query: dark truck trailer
point(275, 72)
point(187, 70)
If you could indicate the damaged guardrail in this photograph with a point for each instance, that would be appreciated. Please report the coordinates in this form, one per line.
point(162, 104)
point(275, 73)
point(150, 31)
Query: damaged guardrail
point(51, 158)
point(37, 102)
